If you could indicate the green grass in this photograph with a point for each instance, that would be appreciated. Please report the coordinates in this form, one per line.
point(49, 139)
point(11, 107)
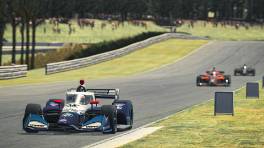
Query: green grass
point(198, 127)
point(142, 60)
point(86, 35)
point(222, 33)
point(7, 58)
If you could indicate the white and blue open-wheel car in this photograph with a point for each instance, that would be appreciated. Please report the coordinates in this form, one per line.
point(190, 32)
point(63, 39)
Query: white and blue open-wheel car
point(81, 111)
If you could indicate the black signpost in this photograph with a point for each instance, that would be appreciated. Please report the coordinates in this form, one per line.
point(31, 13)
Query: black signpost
point(252, 90)
point(263, 82)
point(224, 103)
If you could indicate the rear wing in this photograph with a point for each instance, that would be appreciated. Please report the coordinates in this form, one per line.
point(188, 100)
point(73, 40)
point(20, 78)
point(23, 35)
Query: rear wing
point(105, 93)
point(209, 72)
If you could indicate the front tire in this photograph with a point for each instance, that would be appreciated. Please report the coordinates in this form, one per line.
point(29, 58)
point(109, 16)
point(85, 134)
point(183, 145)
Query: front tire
point(235, 73)
point(31, 109)
point(110, 112)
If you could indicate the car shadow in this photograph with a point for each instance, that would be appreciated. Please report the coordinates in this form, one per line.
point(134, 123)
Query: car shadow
point(63, 133)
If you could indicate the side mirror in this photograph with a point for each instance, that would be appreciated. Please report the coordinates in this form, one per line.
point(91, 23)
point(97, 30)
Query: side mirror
point(57, 101)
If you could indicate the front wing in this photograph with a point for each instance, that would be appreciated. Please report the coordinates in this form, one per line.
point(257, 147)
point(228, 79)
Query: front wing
point(37, 123)
point(208, 83)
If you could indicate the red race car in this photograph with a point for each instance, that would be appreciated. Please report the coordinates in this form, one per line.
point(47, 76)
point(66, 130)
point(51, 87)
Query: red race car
point(213, 78)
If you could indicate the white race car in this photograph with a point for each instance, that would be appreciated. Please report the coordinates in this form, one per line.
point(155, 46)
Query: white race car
point(81, 111)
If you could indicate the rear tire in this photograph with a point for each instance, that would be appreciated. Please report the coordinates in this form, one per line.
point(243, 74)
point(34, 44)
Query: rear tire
point(198, 81)
point(253, 73)
point(228, 77)
point(62, 102)
point(31, 109)
point(130, 110)
point(111, 112)
point(53, 118)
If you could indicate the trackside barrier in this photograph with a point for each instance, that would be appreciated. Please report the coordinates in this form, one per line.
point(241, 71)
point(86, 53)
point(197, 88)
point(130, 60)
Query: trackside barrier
point(95, 59)
point(263, 82)
point(11, 72)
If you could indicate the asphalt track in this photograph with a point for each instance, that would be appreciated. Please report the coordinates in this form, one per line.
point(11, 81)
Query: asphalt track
point(155, 94)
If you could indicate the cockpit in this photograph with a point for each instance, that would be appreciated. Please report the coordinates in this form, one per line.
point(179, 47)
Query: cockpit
point(81, 99)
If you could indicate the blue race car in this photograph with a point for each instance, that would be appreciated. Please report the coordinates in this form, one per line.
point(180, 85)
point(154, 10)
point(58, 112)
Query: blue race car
point(81, 111)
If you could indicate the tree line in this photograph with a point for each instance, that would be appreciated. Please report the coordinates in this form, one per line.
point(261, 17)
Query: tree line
point(25, 15)
point(28, 14)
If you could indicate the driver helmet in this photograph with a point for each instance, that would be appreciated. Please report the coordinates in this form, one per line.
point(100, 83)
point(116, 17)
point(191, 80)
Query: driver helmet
point(81, 87)
point(81, 82)
point(213, 69)
point(245, 66)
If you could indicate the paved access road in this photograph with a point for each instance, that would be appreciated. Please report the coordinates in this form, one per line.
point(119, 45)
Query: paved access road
point(155, 94)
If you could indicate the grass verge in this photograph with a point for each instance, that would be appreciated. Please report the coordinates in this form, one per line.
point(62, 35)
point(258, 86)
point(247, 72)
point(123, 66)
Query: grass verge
point(198, 127)
point(224, 33)
point(7, 58)
point(145, 59)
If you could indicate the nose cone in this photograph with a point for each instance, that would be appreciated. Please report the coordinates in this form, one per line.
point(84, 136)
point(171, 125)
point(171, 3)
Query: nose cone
point(68, 118)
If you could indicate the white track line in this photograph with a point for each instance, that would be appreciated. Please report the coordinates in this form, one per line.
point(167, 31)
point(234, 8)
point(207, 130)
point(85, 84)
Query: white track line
point(122, 140)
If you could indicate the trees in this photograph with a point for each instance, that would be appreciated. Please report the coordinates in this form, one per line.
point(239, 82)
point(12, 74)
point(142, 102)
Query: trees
point(22, 33)
point(35, 10)
point(29, 13)
point(25, 14)
point(137, 8)
point(56, 8)
point(3, 19)
point(12, 7)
